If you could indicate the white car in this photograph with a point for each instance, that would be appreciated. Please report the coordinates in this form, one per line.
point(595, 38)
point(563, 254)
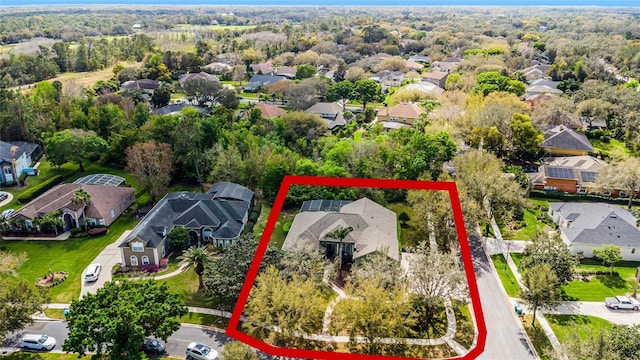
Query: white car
point(92, 272)
point(199, 351)
point(37, 342)
point(7, 213)
point(622, 302)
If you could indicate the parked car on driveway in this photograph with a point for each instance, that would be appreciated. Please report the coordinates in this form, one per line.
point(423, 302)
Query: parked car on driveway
point(199, 351)
point(622, 302)
point(153, 346)
point(7, 213)
point(37, 342)
point(92, 272)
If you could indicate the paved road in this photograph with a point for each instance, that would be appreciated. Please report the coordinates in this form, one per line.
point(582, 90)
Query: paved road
point(505, 337)
point(176, 344)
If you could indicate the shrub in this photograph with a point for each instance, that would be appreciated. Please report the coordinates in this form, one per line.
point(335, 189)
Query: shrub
point(97, 231)
point(57, 281)
point(36, 191)
point(164, 263)
point(286, 227)
point(151, 268)
point(76, 231)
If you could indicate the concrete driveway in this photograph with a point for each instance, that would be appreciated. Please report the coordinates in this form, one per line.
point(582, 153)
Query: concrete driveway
point(597, 308)
point(108, 258)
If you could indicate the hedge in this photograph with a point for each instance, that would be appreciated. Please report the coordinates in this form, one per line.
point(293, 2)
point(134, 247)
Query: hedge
point(557, 195)
point(36, 191)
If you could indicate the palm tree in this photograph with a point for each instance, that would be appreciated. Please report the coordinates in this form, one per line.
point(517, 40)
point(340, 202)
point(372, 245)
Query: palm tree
point(83, 198)
point(196, 257)
point(339, 233)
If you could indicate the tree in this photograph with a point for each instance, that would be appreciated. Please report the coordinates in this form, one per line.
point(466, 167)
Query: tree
point(366, 91)
point(340, 91)
point(296, 306)
point(161, 97)
point(380, 268)
point(9, 262)
point(608, 255)
point(306, 263)
point(624, 174)
point(305, 71)
point(225, 276)
point(83, 198)
point(178, 239)
point(339, 233)
point(552, 251)
point(75, 145)
point(374, 312)
point(197, 258)
point(151, 165)
point(18, 302)
point(541, 289)
point(487, 138)
point(116, 319)
point(203, 91)
point(525, 139)
point(488, 82)
point(340, 72)
point(236, 350)
point(403, 217)
point(229, 99)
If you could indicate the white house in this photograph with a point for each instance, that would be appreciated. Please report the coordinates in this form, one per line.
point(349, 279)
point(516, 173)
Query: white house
point(585, 226)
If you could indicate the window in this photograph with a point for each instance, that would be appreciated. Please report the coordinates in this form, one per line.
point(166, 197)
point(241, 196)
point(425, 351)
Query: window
point(404, 120)
point(606, 193)
point(7, 171)
point(633, 251)
point(393, 118)
point(113, 213)
point(164, 252)
point(137, 246)
point(134, 260)
point(145, 260)
point(622, 194)
point(582, 191)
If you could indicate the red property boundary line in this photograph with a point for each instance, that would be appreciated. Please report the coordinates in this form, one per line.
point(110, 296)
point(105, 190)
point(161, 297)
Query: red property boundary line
point(450, 187)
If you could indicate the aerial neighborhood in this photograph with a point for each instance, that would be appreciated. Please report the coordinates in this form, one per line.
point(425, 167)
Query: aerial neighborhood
point(160, 171)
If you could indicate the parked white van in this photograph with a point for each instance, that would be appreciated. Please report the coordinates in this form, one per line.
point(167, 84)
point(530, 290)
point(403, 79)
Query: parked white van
point(92, 272)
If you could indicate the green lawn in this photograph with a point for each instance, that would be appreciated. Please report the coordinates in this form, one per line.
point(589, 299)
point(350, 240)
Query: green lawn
point(279, 235)
point(407, 234)
point(601, 286)
point(565, 326)
point(506, 276)
point(537, 336)
point(265, 211)
point(72, 255)
point(614, 145)
point(205, 319)
point(464, 325)
point(186, 285)
point(536, 210)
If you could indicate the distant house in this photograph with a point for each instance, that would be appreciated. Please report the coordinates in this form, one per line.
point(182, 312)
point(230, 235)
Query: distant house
point(419, 59)
point(286, 71)
point(217, 68)
point(269, 111)
point(107, 202)
point(197, 77)
point(262, 69)
point(330, 112)
point(571, 174)
point(137, 26)
point(425, 87)
point(260, 81)
point(542, 86)
point(389, 78)
point(404, 113)
point(146, 85)
point(173, 109)
point(374, 228)
point(561, 140)
point(536, 71)
point(414, 66)
point(24, 154)
point(438, 78)
point(217, 217)
point(585, 226)
point(447, 65)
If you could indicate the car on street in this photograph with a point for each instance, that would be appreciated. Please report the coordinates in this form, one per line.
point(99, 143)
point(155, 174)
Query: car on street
point(37, 342)
point(197, 351)
point(622, 302)
point(153, 346)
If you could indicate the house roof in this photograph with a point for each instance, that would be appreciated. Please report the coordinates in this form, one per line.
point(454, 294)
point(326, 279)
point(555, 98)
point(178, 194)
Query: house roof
point(201, 76)
point(598, 224)
point(583, 169)
point(419, 59)
point(262, 80)
point(330, 112)
point(176, 108)
point(435, 75)
point(374, 228)
point(425, 87)
point(218, 67)
point(414, 65)
point(287, 71)
point(222, 210)
point(23, 147)
point(142, 84)
point(270, 111)
point(263, 69)
point(103, 199)
point(402, 110)
point(562, 137)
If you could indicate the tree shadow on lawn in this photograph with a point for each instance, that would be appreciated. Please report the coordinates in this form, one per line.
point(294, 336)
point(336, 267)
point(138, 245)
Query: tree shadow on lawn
point(613, 282)
point(571, 320)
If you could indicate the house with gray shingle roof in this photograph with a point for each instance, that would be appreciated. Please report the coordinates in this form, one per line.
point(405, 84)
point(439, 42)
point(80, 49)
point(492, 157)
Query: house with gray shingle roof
point(217, 217)
point(14, 163)
point(374, 229)
point(586, 226)
point(562, 140)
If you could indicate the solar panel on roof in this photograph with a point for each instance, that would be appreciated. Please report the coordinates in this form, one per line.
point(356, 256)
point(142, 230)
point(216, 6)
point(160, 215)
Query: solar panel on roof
point(589, 176)
point(560, 172)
